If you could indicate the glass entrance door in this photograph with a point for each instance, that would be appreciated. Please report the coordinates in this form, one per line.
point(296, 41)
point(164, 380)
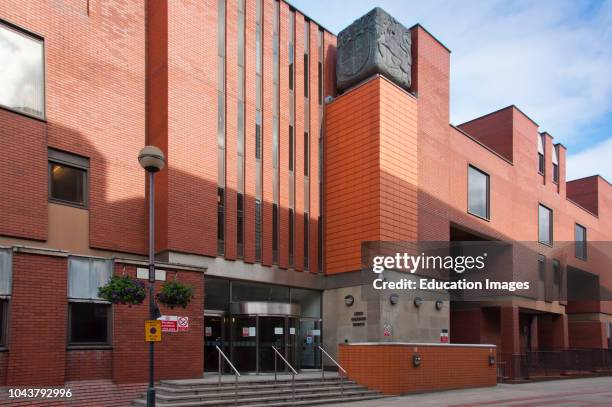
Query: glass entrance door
point(244, 342)
point(310, 339)
point(272, 333)
point(214, 335)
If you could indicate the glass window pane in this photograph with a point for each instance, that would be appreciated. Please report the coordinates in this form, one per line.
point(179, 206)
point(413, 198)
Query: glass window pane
point(580, 241)
point(5, 272)
point(3, 322)
point(67, 183)
point(478, 193)
point(22, 81)
point(246, 291)
point(89, 322)
point(217, 294)
point(544, 225)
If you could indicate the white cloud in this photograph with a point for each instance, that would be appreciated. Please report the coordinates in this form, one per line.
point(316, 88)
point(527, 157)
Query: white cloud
point(591, 161)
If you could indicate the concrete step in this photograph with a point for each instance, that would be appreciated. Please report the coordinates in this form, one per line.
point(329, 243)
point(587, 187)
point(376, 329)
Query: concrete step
point(248, 387)
point(203, 396)
point(317, 402)
point(279, 400)
point(282, 380)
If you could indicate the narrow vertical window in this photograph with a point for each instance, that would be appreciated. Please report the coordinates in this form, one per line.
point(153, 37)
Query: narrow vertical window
point(478, 192)
point(221, 127)
point(542, 277)
point(556, 280)
point(258, 128)
point(291, 147)
point(320, 65)
point(306, 153)
point(306, 240)
point(580, 243)
point(258, 230)
point(220, 221)
point(240, 225)
point(275, 233)
point(291, 49)
point(291, 236)
point(545, 225)
point(541, 163)
point(555, 164)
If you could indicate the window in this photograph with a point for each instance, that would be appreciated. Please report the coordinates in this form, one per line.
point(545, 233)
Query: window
point(541, 277)
point(22, 77)
point(320, 65)
point(291, 48)
point(220, 221)
point(89, 323)
point(5, 292)
point(545, 225)
point(306, 153)
point(478, 192)
point(580, 238)
point(240, 225)
point(88, 315)
point(290, 148)
point(306, 57)
point(257, 230)
point(275, 232)
point(306, 240)
point(291, 237)
point(541, 154)
point(555, 164)
point(67, 178)
point(556, 280)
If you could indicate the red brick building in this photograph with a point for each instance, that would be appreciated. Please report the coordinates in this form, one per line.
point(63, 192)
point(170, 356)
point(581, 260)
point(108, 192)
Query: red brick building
point(272, 183)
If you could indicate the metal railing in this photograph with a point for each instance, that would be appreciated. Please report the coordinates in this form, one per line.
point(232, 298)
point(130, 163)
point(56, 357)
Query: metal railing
point(341, 370)
point(236, 373)
point(293, 372)
point(560, 362)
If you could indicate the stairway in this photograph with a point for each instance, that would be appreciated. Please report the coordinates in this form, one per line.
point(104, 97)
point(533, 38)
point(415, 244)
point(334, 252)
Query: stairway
point(257, 391)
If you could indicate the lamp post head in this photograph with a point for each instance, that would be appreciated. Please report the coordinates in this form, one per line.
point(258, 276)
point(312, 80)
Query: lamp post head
point(151, 158)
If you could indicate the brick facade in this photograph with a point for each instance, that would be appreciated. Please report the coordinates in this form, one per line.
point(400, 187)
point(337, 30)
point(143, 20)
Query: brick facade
point(389, 367)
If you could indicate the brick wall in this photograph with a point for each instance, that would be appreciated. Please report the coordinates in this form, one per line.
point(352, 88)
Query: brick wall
point(89, 364)
point(371, 171)
point(179, 355)
point(587, 334)
point(389, 368)
point(3, 367)
point(38, 310)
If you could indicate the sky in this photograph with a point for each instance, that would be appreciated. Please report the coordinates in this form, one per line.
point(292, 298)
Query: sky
point(552, 59)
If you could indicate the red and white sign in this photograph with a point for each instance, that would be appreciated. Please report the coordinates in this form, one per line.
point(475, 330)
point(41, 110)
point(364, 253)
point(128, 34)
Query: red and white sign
point(444, 336)
point(173, 323)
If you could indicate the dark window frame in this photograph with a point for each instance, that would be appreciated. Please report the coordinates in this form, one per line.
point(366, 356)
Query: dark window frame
point(549, 243)
point(92, 344)
point(35, 37)
point(221, 221)
point(58, 157)
point(488, 193)
point(583, 242)
point(240, 225)
point(541, 164)
point(4, 314)
point(555, 173)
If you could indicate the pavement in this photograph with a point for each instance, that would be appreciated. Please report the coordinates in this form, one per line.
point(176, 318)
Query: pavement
point(591, 392)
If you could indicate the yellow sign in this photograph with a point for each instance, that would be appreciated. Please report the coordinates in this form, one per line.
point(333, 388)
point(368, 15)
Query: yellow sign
point(153, 330)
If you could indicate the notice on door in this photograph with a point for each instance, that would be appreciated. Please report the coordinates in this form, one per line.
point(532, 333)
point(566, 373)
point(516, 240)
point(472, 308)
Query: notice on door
point(252, 331)
point(278, 330)
point(245, 332)
point(208, 331)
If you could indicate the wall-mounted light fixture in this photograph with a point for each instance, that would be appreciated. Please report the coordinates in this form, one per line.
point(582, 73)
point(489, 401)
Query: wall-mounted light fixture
point(349, 300)
point(439, 304)
point(394, 299)
point(418, 301)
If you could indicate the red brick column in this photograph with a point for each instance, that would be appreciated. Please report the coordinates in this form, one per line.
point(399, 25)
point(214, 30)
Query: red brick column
point(560, 332)
point(510, 330)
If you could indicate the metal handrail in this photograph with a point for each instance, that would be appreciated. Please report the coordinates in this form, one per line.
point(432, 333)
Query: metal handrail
point(236, 373)
point(341, 370)
point(293, 371)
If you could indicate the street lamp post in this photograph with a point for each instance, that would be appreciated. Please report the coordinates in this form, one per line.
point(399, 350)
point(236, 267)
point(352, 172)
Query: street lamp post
point(151, 159)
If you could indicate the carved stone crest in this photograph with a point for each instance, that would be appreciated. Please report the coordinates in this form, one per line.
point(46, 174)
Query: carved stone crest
point(374, 44)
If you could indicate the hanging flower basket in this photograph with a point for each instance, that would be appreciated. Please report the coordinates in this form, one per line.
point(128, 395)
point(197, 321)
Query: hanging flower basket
point(175, 294)
point(123, 290)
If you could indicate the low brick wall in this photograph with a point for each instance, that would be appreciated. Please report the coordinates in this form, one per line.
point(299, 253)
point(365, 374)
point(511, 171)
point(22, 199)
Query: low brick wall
point(388, 367)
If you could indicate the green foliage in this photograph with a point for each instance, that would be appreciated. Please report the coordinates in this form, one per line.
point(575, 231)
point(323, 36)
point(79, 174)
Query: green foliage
point(175, 294)
point(123, 290)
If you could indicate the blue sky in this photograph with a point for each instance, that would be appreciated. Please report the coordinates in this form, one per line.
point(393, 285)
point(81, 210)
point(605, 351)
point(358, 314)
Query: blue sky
point(553, 59)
